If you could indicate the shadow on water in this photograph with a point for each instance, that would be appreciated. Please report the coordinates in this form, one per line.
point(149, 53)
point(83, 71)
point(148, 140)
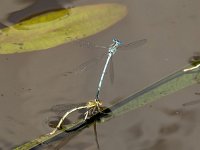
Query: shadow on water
point(36, 8)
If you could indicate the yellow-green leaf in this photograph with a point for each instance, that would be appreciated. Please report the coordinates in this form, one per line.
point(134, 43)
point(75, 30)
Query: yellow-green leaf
point(58, 27)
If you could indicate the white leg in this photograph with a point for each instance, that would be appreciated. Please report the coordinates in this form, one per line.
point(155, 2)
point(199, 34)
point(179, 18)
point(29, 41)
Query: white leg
point(192, 68)
point(63, 118)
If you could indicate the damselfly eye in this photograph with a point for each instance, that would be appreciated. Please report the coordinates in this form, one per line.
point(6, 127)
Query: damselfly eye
point(117, 41)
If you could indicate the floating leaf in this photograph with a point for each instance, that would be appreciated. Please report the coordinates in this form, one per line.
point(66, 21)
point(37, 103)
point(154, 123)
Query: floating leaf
point(58, 27)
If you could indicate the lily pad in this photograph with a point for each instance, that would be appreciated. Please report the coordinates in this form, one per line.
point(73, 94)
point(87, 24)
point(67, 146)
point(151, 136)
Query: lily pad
point(55, 28)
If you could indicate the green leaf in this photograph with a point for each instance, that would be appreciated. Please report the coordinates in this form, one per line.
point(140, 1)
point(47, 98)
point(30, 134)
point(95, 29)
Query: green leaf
point(58, 27)
point(163, 87)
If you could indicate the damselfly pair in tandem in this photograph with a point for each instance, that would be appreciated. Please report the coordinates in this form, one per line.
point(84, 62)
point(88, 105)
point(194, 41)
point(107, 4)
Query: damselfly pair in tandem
point(95, 106)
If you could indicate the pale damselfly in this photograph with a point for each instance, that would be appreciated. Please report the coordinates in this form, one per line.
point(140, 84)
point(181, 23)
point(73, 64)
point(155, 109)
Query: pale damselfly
point(90, 45)
point(112, 49)
point(95, 106)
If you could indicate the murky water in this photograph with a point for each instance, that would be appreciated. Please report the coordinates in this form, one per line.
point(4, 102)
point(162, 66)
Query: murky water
point(34, 82)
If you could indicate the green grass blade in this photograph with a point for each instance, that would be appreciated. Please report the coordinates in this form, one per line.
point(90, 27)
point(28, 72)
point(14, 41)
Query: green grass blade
point(163, 87)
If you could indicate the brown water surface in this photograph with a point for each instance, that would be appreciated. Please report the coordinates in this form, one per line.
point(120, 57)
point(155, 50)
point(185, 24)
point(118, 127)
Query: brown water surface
point(34, 82)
